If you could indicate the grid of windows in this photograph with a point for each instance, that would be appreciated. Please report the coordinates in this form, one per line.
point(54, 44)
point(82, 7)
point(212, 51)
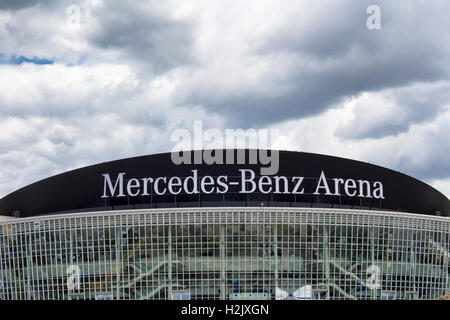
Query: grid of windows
point(226, 253)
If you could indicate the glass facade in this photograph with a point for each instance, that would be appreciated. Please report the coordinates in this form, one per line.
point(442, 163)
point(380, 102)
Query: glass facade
point(226, 253)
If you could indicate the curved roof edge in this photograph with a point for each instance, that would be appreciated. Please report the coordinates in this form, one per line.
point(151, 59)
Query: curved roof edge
point(42, 193)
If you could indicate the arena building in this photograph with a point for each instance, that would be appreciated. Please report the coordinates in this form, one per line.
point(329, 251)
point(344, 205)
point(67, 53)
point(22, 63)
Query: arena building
point(322, 227)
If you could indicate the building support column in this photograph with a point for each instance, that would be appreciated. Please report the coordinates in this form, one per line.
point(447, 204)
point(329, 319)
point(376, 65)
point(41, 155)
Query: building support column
point(373, 292)
point(448, 283)
point(222, 262)
point(448, 263)
point(275, 249)
point(2, 279)
point(118, 260)
point(413, 265)
point(71, 246)
point(326, 260)
point(29, 266)
point(169, 261)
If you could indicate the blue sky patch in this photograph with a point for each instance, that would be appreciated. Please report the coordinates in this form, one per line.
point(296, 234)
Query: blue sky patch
point(13, 59)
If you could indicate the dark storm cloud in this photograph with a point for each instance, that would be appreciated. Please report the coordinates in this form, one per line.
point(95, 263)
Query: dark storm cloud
point(17, 4)
point(143, 34)
point(434, 170)
point(434, 146)
point(314, 91)
point(14, 5)
point(337, 57)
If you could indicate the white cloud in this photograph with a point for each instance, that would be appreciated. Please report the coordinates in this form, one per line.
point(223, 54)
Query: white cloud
point(55, 118)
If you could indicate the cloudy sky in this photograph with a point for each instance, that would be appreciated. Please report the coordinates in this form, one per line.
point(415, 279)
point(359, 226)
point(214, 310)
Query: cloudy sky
point(88, 81)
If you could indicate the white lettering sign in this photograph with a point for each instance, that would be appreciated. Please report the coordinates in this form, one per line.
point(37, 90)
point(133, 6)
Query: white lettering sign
point(246, 181)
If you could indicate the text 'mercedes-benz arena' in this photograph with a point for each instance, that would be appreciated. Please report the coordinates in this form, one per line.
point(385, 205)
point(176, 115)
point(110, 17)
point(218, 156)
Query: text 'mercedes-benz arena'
point(321, 227)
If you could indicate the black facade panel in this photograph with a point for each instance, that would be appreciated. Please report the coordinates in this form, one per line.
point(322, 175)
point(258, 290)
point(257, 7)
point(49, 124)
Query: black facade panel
point(81, 189)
